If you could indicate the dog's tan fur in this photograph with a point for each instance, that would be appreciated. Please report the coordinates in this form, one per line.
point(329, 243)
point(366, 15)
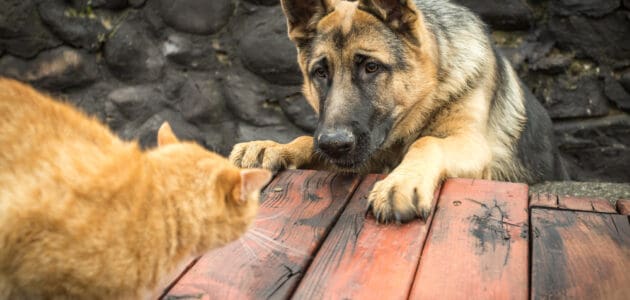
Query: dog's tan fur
point(444, 124)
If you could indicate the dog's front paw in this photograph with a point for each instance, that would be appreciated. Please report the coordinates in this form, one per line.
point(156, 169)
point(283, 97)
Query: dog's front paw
point(401, 198)
point(263, 154)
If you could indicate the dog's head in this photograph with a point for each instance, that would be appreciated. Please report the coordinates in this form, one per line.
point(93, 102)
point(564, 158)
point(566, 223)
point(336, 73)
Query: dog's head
point(365, 64)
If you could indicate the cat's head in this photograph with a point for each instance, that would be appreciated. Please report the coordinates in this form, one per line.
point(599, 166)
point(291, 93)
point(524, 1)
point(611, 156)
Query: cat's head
point(227, 194)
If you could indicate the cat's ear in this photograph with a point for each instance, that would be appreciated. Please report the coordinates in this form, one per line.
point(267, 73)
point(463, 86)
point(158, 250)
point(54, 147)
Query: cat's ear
point(165, 135)
point(253, 180)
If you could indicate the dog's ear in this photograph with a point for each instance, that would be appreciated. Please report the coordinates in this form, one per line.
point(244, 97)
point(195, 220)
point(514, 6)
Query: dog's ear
point(303, 15)
point(400, 15)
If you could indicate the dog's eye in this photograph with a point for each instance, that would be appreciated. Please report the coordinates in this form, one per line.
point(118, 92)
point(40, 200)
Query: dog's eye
point(371, 67)
point(321, 73)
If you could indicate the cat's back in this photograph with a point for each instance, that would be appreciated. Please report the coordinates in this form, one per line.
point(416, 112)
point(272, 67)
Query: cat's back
point(29, 114)
point(59, 169)
point(46, 144)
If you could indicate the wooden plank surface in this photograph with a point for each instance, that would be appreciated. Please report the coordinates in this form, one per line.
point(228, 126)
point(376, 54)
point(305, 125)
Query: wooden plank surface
point(362, 259)
point(544, 200)
point(571, 203)
point(623, 207)
point(580, 255)
point(298, 208)
point(585, 204)
point(477, 246)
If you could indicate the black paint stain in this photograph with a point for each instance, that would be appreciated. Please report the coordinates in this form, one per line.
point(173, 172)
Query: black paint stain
point(491, 229)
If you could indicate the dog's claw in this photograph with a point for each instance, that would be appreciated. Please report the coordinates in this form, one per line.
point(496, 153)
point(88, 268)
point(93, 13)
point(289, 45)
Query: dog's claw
point(424, 214)
point(398, 218)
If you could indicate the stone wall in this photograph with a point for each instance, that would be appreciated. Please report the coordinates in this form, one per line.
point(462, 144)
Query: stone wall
point(223, 71)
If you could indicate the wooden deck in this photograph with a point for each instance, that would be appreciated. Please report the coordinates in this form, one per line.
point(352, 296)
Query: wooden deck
point(315, 239)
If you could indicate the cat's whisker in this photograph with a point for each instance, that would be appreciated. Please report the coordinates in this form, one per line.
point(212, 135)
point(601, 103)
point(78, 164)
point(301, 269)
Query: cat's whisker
point(261, 243)
point(272, 255)
point(250, 251)
point(263, 231)
point(278, 244)
point(267, 218)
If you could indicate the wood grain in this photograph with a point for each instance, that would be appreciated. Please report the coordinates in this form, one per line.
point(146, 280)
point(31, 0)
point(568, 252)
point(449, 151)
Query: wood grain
point(580, 255)
point(544, 200)
point(298, 208)
point(623, 207)
point(571, 203)
point(362, 259)
point(477, 247)
point(585, 204)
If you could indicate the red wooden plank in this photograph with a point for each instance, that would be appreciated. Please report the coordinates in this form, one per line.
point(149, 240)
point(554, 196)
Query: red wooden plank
point(585, 204)
point(298, 209)
point(580, 255)
point(361, 259)
point(623, 207)
point(544, 200)
point(477, 245)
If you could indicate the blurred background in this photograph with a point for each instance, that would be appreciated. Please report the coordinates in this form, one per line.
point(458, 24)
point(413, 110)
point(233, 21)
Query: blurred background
point(223, 71)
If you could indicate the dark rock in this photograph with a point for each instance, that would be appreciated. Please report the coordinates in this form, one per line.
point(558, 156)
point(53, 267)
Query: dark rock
point(279, 133)
point(572, 97)
point(197, 16)
point(519, 49)
point(502, 15)
point(220, 137)
point(194, 53)
point(597, 149)
point(132, 55)
point(265, 48)
point(625, 80)
point(202, 102)
point(129, 107)
point(147, 132)
point(264, 2)
point(592, 8)
point(89, 4)
point(137, 3)
point(21, 31)
point(604, 40)
point(90, 101)
point(55, 69)
point(81, 31)
point(616, 93)
point(251, 99)
point(136, 113)
point(297, 109)
point(626, 3)
point(552, 64)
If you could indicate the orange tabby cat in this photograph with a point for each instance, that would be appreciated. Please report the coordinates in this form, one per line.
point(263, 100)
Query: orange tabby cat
point(85, 215)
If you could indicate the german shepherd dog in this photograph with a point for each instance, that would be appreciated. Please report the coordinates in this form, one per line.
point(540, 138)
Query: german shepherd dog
point(415, 89)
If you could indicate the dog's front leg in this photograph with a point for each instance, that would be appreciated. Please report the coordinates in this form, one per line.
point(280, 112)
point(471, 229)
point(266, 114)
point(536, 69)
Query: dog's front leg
point(273, 156)
point(408, 191)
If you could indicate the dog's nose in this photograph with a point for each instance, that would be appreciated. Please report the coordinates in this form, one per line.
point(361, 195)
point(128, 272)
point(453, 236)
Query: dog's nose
point(336, 143)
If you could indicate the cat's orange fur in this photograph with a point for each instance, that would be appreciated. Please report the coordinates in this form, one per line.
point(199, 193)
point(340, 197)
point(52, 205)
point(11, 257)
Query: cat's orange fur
point(86, 215)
